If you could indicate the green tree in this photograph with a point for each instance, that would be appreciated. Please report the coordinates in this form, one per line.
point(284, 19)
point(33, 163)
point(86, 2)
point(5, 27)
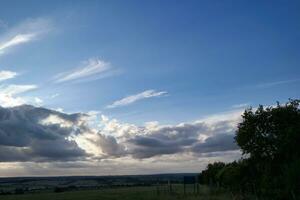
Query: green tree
point(270, 138)
point(209, 175)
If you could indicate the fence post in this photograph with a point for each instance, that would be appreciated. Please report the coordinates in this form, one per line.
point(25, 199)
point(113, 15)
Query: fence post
point(170, 187)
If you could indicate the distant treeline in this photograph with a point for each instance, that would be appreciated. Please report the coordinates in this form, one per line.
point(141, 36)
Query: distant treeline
point(21, 185)
point(270, 168)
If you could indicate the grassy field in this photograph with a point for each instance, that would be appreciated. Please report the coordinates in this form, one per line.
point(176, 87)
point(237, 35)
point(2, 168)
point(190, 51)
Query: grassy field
point(130, 193)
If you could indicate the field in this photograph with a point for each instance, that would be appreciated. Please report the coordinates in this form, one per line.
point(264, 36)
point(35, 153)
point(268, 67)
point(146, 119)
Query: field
point(127, 193)
point(139, 187)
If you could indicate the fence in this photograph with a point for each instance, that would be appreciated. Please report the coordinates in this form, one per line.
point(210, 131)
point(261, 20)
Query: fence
point(190, 186)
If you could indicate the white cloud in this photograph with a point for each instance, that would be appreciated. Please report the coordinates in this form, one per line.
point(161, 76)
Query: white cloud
point(59, 110)
point(234, 116)
point(16, 40)
point(25, 32)
point(241, 105)
point(4, 75)
point(16, 89)
point(54, 95)
point(275, 83)
point(92, 68)
point(136, 97)
point(38, 101)
point(8, 94)
point(55, 119)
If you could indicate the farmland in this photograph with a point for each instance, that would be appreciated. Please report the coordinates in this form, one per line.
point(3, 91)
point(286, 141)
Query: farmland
point(126, 193)
point(141, 187)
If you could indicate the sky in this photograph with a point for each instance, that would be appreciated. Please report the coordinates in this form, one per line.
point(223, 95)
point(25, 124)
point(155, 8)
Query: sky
point(137, 87)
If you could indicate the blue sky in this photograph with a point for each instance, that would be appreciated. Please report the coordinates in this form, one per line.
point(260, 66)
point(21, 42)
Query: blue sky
point(207, 55)
point(141, 61)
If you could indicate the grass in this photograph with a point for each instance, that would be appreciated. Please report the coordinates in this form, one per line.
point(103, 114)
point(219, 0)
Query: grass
point(130, 193)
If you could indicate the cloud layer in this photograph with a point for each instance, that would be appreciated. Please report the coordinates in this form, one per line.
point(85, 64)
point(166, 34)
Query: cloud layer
point(29, 133)
point(192, 138)
point(35, 134)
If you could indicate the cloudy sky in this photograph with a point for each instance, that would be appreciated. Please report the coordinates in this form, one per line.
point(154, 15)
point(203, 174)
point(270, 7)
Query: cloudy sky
point(115, 87)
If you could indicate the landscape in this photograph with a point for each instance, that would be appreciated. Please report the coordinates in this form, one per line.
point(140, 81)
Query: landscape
point(149, 100)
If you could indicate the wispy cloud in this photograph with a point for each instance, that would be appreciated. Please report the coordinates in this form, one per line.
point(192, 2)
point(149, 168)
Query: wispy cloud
point(241, 105)
point(25, 32)
point(9, 95)
point(54, 95)
point(17, 89)
point(4, 75)
point(16, 40)
point(12, 95)
point(275, 83)
point(93, 68)
point(136, 97)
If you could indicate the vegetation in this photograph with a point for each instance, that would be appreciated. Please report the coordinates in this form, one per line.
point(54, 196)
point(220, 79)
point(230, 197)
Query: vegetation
point(269, 139)
point(127, 193)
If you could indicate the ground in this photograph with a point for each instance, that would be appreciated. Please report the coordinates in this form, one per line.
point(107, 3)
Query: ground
point(129, 193)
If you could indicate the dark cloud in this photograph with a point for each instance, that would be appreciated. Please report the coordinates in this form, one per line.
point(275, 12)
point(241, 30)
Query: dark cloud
point(23, 136)
point(181, 139)
point(29, 133)
point(222, 142)
point(149, 146)
point(110, 146)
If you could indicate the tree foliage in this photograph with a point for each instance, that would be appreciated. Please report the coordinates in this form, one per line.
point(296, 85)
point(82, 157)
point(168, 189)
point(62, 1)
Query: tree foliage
point(270, 140)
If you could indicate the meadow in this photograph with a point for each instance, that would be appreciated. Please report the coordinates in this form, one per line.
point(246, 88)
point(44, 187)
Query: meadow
point(126, 193)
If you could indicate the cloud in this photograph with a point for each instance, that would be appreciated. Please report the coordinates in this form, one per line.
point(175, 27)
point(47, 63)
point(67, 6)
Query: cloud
point(24, 32)
point(16, 40)
point(208, 135)
point(28, 133)
point(216, 143)
point(37, 134)
point(38, 101)
point(183, 139)
point(110, 146)
point(40, 141)
point(5, 74)
point(54, 95)
point(93, 68)
point(241, 105)
point(9, 94)
point(275, 83)
point(136, 97)
point(17, 89)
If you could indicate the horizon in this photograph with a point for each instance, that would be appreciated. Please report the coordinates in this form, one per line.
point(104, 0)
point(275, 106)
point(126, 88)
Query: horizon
point(4, 177)
point(113, 88)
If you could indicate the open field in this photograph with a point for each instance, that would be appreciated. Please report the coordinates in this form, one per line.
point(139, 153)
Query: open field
point(139, 187)
point(128, 193)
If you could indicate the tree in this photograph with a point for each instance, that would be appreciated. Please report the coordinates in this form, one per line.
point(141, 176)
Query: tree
point(271, 138)
point(209, 175)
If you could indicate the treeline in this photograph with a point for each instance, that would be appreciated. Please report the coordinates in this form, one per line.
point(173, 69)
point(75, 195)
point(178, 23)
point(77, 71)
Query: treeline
point(270, 168)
